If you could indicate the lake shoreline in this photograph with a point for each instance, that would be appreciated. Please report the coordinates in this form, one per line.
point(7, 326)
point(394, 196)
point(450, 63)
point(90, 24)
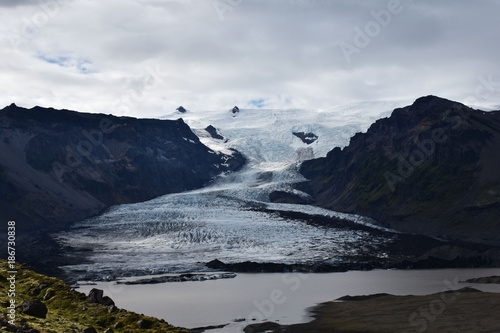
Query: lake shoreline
point(465, 309)
point(229, 305)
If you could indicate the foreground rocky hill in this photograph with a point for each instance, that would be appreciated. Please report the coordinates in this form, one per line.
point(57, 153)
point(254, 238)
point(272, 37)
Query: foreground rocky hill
point(45, 304)
point(431, 168)
point(59, 166)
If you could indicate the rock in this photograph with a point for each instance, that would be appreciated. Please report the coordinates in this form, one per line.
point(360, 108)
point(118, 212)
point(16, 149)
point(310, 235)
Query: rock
point(144, 324)
point(207, 328)
point(361, 297)
point(488, 280)
point(269, 267)
point(34, 308)
point(267, 326)
point(89, 330)
point(118, 325)
point(109, 330)
point(307, 138)
point(216, 264)
point(181, 109)
point(235, 110)
point(96, 295)
point(213, 132)
point(43, 285)
point(49, 294)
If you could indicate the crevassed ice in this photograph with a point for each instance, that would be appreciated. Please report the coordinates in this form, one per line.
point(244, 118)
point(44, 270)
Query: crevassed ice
point(181, 232)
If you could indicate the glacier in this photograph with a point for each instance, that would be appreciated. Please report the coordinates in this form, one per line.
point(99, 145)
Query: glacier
point(232, 218)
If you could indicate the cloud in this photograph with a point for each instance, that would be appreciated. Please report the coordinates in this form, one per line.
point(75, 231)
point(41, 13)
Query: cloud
point(92, 55)
point(17, 3)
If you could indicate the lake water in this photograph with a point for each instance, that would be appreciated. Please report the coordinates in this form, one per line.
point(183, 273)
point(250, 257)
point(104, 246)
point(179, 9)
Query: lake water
point(283, 298)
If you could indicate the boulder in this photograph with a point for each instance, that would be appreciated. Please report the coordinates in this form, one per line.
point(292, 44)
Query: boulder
point(96, 295)
point(144, 324)
point(89, 330)
point(34, 308)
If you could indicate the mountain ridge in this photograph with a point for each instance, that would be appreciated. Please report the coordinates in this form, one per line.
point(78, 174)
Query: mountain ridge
point(61, 166)
point(429, 168)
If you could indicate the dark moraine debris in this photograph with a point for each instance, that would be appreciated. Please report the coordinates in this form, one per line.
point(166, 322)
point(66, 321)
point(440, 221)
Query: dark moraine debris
point(182, 278)
point(289, 197)
point(486, 280)
point(207, 328)
point(360, 298)
point(270, 267)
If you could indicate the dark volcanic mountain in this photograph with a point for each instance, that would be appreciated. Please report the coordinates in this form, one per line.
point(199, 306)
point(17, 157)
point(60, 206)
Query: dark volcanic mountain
point(59, 166)
point(431, 168)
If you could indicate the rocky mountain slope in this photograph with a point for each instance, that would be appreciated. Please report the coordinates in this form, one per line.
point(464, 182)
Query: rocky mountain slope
point(430, 168)
point(60, 166)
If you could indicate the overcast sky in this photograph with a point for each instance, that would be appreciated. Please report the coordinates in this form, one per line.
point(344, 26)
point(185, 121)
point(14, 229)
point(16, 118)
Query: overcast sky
point(147, 57)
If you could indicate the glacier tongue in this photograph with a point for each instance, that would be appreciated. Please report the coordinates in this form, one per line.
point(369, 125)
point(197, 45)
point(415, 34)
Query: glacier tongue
point(180, 232)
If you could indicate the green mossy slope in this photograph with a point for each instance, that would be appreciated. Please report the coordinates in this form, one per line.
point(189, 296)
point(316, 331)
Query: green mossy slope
point(68, 310)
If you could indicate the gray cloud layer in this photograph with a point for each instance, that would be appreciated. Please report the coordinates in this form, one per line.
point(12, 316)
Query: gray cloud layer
point(146, 57)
